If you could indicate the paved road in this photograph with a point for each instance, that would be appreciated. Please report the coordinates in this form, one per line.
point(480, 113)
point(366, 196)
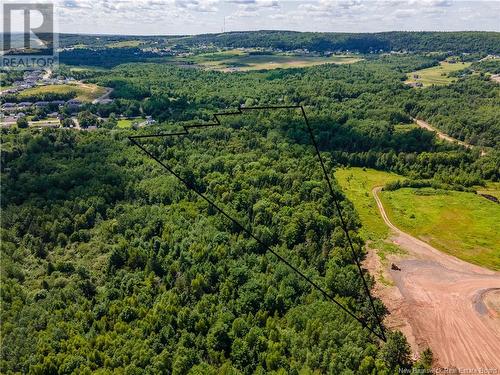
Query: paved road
point(442, 299)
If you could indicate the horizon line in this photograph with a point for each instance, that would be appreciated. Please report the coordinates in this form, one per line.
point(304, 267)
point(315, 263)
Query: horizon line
point(264, 30)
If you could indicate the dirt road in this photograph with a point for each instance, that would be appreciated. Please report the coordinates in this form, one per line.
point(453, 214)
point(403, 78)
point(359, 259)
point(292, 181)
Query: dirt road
point(109, 90)
point(441, 135)
point(439, 301)
point(425, 125)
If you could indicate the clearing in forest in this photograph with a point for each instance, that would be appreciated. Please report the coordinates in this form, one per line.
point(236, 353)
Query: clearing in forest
point(465, 225)
point(435, 299)
point(238, 60)
point(436, 75)
point(84, 92)
point(357, 184)
point(125, 44)
point(462, 224)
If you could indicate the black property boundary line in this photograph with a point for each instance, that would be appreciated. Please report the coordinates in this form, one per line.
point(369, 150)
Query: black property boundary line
point(217, 122)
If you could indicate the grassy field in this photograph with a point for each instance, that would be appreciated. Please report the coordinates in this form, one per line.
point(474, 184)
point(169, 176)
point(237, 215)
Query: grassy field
point(124, 123)
point(357, 185)
point(83, 68)
point(465, 225)
point(491, 188)
point(236, 60)
point(462, 224)
point(436, 75)
point(127, 122)
point(124, 44)
point(84, 93)
point(404, 128)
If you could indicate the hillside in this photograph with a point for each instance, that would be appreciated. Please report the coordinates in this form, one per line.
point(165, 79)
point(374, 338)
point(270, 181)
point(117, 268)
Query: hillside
point(456, 42)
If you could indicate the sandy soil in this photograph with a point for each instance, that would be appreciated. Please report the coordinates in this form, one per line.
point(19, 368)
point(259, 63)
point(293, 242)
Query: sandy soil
point(441, 302)
point(491, 301)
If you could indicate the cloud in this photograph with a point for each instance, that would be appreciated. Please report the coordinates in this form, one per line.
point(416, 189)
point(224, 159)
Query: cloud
point(198, 5)
point(267, 3)
point(244, 13)
point(75, 4)
point(252, 8)
point(253, 4)
point(404, 13)
point(140, 6)
point(434, 3)
point(328, 8)
point(200, 16)
point(277, 16)
point(241, 1)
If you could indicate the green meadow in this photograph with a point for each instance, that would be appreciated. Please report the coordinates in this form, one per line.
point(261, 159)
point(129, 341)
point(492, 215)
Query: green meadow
point(84, 92)
point(357, 184)
point(462, 224)
point(465, 225)
point(125, 44)
point(436, 75)
point(491, 188)
point(127, 123)
point(245, 61)
point(124, 123)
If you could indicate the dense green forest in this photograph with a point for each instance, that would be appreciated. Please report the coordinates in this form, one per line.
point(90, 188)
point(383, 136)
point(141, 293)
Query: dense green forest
point(110, 265)
point(456, 42)
point(467, 110)
point(106, 57)
point(361, 110)
point(43, 96)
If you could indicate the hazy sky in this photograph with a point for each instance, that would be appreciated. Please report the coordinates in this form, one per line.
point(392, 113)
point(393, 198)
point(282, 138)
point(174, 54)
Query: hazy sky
point(208, 16)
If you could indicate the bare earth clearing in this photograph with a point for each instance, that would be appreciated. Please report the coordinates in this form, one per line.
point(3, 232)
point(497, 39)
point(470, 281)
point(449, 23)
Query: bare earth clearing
point(441, 302)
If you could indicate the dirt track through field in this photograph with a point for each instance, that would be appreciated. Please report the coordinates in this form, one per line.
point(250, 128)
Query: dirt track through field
point(439, 301)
